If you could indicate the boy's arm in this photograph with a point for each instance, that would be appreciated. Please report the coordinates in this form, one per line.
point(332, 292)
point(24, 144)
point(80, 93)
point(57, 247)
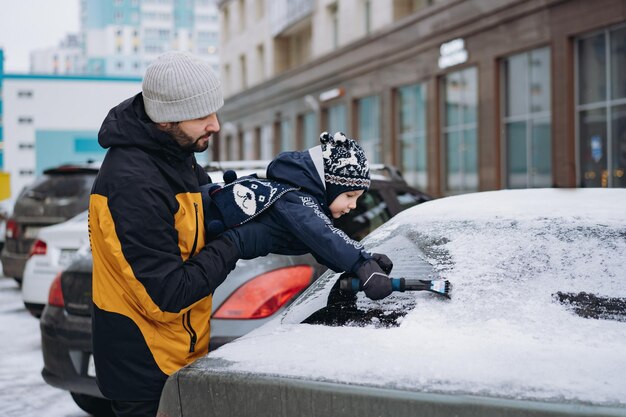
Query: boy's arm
point(303, 217)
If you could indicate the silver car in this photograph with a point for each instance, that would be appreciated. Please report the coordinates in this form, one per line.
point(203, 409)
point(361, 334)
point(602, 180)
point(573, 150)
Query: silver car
point(536, 323)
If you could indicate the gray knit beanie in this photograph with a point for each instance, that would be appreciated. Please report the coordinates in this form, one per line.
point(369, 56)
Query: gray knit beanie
point(178, 86)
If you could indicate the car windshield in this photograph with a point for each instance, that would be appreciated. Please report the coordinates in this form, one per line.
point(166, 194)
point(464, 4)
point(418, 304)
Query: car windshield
point(326, 304)
point(522, 322)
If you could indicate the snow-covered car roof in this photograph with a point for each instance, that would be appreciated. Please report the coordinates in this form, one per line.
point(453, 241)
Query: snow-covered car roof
point(503, 334)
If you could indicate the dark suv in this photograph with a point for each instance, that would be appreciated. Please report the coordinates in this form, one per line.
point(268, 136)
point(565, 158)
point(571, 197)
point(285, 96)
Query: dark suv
point(254, 293)
point(59, 194)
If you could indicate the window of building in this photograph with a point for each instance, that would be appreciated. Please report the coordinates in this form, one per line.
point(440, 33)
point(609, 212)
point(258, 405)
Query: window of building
point(242, 15)
point(411, 102)
point(368, 128)
point(227, 79)
point(244, 72)
point(256, 143)
point(601, 107)
point(225, 23)
point(308, 130)
point(267, 145)
point(260, 64)
point(367, 16)
point(232, 147)
point(336, 119)
point(526, 124)
point(259, 9)
point(333, 16)
point(459, 128)
point(403, 8)
point(286, 136)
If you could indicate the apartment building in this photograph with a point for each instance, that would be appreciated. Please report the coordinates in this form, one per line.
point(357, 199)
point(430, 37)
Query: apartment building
point(64, 59)
point(462, 95)
point(48, 120)
point(121, 37)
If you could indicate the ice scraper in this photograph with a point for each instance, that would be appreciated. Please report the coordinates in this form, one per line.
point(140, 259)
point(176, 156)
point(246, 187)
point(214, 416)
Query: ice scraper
point(438, 286)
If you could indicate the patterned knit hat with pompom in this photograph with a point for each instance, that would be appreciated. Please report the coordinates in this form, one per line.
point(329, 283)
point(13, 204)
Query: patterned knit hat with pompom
point(345, 165)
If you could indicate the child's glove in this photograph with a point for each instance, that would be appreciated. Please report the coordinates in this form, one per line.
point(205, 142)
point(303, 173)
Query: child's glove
point(383, 261)
point(238, 201)
point(253, 239)
point(374, 281)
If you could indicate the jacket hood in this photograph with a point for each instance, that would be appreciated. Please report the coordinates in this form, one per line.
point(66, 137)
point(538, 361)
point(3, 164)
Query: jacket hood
point(128, 125)
point(303, 169)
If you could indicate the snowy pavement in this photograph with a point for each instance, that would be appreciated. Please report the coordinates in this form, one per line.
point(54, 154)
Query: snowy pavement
point(23, 392)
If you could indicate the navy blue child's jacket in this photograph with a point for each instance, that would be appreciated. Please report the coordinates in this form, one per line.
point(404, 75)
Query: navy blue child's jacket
point(292, 201)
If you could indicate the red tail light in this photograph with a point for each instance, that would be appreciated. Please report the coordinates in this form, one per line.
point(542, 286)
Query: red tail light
point(39, 247)
point(12, 229)
point(55, 296)
point(264, 295)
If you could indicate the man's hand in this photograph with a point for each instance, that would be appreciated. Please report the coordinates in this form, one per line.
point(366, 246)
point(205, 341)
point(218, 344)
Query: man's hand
point(374, 281)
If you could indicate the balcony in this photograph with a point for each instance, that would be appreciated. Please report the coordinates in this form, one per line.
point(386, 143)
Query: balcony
point(286, 15)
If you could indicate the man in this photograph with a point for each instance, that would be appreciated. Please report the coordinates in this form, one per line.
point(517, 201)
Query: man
point(153, 271)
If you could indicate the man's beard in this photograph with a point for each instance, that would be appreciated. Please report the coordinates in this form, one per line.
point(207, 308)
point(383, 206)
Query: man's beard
point(186, 142)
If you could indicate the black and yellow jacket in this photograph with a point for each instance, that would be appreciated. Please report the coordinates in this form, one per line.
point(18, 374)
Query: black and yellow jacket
point(153, 273)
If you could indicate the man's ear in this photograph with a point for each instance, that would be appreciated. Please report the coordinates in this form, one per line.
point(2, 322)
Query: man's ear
point(164, 126)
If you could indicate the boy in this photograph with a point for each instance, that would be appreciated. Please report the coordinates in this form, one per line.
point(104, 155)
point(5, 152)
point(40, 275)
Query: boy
point(302, 191)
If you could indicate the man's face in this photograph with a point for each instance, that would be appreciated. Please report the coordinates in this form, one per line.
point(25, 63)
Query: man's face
point(193, 135)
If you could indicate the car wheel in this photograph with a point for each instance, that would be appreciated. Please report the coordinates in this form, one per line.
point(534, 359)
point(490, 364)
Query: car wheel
point(19, 282)
point(97, 407)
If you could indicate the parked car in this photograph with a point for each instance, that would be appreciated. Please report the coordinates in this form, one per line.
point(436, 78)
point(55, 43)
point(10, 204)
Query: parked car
point(57, 195)
point(6, 207)
point(53, 250)
point(255, 292)
point(536, 323)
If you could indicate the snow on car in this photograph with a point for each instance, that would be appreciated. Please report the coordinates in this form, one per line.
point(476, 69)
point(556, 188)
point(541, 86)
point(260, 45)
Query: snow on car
point(537, 314)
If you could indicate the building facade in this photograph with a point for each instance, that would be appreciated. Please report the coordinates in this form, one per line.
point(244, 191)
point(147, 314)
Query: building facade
point(64, 59)
point(52, 120)
point(462, 95)
point(121, 37)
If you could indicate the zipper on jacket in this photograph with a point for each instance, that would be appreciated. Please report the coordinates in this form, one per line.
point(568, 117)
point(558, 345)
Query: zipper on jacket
point(192, 333)
point(195, 239)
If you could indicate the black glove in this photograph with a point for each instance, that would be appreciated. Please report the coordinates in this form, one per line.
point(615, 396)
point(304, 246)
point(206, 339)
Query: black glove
point(374, 281)
point(253, 239)
point(383, 261)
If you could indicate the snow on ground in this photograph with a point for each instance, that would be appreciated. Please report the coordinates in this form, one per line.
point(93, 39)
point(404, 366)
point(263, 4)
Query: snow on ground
point(23, 392)
point(502, 334)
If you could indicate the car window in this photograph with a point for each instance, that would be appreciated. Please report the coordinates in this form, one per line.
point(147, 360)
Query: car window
point(325, 303)
point(371, 212)
point(60, 186)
